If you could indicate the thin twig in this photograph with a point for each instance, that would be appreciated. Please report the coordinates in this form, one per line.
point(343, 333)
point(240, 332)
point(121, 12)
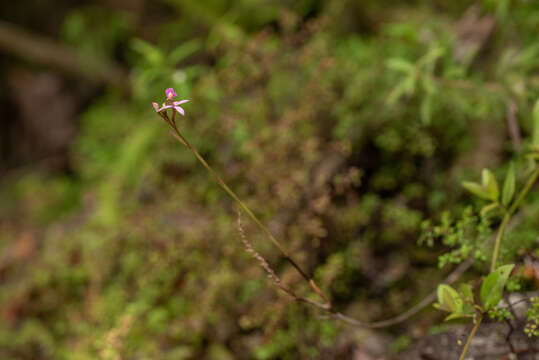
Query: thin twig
point(44, 51)
point(508, 336)
point(510, 305)
point(470, 337)
point(451, 278)
point(469, 85)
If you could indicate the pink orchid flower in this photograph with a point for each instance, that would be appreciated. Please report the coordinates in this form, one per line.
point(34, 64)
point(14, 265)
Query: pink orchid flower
point(170, 94)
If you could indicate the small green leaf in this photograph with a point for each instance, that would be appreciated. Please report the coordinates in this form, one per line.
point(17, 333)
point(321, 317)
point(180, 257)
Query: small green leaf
point(438, 306)
point(449, 299)
point(399, 64)
point(426, 110)
point(151, 53)
point(398, 92)
point(409, 85)
point(487, 208)
point(490, 184)
point(535, 136)
point(428, 85)
point(490, 294)
point(184, 50)
point(476, 189)
point(466, 292)
point(457, 316)
point(492, 287)
point(509, 185)
point(432, 55)
point(534, 156)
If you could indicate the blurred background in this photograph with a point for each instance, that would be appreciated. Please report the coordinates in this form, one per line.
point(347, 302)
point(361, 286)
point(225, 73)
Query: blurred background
point(343, 124)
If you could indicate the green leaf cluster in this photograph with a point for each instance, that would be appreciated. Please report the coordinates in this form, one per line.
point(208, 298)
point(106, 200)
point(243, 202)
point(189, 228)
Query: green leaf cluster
point(459, 304)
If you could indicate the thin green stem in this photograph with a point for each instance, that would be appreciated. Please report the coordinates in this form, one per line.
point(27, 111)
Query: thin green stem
point(533, 178)
point(225, 187)
point(499, 236)
point(470, 337)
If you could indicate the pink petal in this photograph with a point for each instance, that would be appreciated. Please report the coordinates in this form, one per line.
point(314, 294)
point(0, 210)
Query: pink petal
point(180, 102)
point(156, 106)
point(180, 110)
point(170, 93)
point(165, 107)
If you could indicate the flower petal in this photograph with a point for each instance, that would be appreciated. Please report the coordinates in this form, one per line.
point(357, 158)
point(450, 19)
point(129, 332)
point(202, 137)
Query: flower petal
point(170, 93)
point(156, 106)
point(180, 102)
point(180, 110)
point(165, 107)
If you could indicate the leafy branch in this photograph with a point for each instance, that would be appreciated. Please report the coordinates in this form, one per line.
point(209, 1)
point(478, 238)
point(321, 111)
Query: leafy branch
point(462, 304)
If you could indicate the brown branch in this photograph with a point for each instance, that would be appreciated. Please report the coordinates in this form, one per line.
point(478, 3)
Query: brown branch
point(464, 84)
point(451, 278)
point(45, 51)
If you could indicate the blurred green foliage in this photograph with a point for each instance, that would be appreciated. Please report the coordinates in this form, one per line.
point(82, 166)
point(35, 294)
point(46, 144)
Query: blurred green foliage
point(343, 126)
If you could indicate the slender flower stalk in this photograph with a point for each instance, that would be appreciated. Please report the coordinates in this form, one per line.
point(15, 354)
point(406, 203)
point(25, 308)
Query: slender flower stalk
point(162, 111)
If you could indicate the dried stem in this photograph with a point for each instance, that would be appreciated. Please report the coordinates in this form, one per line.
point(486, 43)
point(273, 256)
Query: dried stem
point(263, 263)
point(271, 274)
